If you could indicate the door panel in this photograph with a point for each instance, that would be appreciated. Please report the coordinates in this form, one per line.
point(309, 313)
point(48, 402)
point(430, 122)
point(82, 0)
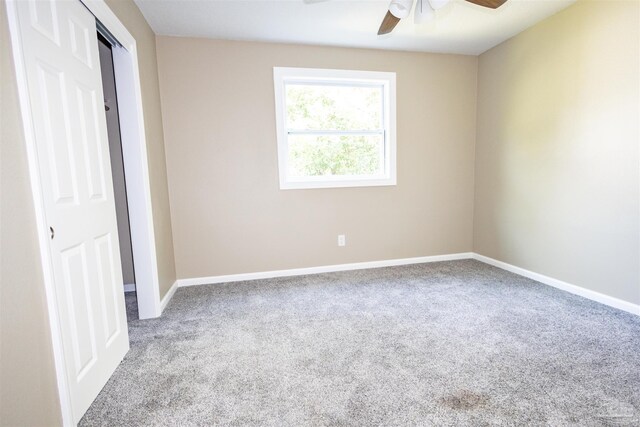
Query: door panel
point(108, 286)
point(91, 141)
point(78, 305)
point(56, 134)
point(60, 57)
point(81, 39)
point(44, 19)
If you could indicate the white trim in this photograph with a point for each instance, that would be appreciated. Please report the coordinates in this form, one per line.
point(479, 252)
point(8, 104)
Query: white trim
point(136, 170)
point(546, 280)
point(136, 164)
point(167, 297)
point(336, 182)
point(41, 227)
point(101, 10)
point(322, 269)
point(559, 284)
point(129, 287)
point(385, 80)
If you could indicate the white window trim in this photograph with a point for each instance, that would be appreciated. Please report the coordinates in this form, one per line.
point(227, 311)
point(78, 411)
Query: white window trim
point(387, 80)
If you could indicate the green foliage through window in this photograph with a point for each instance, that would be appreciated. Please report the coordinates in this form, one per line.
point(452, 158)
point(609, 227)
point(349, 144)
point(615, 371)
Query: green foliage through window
point(332, 155)
point(356, 110)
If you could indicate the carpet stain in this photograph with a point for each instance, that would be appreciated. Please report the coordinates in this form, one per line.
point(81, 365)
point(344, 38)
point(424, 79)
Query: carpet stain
point(464, 400)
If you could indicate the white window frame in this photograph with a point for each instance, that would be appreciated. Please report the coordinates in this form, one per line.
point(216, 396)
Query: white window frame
point(387, 80)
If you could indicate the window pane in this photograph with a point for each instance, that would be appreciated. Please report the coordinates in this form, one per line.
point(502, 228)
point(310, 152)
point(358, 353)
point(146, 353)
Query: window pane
point(335, 155)
point(315, 107)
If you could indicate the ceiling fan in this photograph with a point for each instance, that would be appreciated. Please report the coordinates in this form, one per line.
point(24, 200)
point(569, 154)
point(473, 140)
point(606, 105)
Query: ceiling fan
point(425, 9)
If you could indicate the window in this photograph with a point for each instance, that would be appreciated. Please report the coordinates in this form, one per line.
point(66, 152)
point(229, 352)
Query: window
point(336, 128)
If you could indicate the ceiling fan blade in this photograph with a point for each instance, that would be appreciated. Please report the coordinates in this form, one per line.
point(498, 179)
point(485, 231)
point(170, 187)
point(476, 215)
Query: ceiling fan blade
point(388, 24)
point(492, 4)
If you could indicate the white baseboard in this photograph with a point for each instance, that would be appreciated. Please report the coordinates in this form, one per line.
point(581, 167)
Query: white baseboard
point(129, 287)
point(165, 300)
point(550, 281)
point(559, 284)
point(322, 269)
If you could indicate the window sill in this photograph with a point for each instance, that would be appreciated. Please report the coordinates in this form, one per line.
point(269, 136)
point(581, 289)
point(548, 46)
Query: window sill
point(305, 185)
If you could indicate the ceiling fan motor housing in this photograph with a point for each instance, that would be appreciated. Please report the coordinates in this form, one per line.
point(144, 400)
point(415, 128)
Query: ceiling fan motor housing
point(400, 8)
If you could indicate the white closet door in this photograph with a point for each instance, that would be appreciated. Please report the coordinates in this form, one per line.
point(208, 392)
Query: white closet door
point(60, 49)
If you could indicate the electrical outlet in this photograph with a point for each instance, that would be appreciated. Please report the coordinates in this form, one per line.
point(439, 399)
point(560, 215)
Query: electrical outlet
point(342, 241)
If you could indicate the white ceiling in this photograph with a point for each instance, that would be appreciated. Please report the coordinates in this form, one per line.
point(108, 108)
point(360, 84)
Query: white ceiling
point(459, 27)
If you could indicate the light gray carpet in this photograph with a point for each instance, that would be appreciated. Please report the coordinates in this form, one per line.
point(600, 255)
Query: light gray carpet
point(131, 303)
point(451, 343)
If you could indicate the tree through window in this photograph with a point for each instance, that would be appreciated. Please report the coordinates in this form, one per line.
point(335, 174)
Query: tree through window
point(335, 127)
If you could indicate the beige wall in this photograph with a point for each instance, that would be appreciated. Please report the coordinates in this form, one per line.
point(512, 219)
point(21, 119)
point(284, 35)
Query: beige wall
point(132, 18)
point(557, 165)
point(28, 391)
point(229, 215)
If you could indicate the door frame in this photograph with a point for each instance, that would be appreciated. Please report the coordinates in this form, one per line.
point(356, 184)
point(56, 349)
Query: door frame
point(136, 165)
point(137, 181)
